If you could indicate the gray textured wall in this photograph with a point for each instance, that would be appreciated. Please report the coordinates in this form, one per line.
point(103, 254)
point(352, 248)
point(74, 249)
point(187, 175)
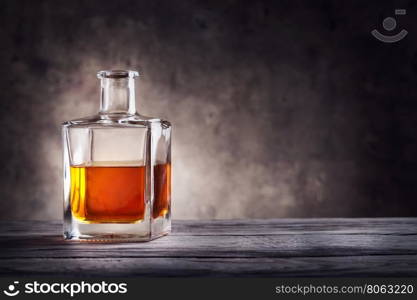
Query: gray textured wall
point(280, 108)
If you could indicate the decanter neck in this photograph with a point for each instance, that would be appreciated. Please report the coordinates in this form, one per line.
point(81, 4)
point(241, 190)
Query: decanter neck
point(117, 92)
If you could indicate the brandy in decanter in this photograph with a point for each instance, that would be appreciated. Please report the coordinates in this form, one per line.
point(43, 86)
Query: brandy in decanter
point(117, 168)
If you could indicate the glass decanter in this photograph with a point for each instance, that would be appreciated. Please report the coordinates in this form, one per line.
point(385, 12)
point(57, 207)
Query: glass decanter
point(117, 168)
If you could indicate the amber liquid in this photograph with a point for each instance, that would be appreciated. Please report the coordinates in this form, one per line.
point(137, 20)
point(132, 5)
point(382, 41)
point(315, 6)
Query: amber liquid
point(162, 190)
point(116, 194)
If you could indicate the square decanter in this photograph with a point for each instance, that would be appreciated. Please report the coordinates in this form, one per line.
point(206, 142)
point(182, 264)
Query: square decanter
point(117, 169)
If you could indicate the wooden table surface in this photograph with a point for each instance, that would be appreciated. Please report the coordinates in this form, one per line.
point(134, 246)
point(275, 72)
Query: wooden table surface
point(238, 248)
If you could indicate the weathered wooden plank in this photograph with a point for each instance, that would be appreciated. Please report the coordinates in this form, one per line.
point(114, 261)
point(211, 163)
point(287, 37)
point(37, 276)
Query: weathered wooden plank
point(277, 247)
point(404, 265)
point(245, 227)
point(317, 244)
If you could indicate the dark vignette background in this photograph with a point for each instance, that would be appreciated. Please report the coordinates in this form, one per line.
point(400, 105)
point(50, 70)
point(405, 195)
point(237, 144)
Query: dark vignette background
point(280, 108)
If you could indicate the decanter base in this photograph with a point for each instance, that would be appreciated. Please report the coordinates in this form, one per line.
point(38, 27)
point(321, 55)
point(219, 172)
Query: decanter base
point(111, 232)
